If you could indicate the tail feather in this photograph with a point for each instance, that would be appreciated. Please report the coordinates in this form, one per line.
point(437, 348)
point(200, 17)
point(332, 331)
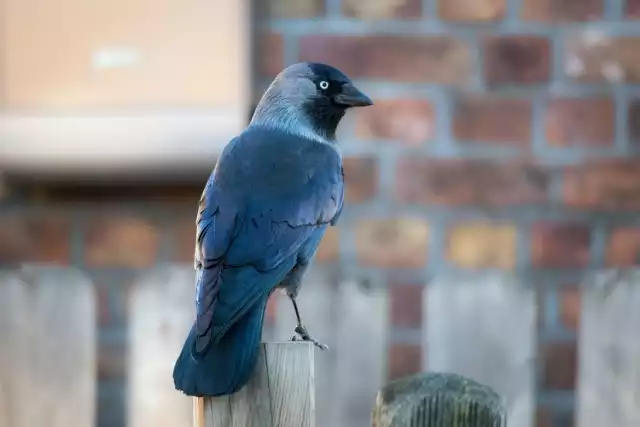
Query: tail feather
point(227, 365)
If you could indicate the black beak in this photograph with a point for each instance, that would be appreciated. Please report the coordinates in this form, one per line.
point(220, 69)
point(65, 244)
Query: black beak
point(350, 96)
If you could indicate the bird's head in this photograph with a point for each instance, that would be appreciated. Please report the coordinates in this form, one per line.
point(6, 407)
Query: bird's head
point(309, 97)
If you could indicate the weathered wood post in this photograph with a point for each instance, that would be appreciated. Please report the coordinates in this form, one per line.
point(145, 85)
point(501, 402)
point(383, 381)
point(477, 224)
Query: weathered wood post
point(608, 386)
point(438, 400)
point(280, 393)
point(47, 348)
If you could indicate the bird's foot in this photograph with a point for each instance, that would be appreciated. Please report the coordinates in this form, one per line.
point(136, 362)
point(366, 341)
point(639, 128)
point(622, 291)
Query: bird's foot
point(301, 334)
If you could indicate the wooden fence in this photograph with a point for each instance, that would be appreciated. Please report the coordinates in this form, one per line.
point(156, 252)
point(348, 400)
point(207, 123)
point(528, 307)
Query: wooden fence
point(161, 313)
point(47, 349)
point(484, 328)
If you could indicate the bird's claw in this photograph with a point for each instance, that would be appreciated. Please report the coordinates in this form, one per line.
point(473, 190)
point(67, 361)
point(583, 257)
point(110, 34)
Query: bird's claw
point(301, 334)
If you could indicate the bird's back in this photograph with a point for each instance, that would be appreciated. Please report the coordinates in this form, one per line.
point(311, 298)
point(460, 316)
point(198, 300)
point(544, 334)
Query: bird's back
point(269, 160)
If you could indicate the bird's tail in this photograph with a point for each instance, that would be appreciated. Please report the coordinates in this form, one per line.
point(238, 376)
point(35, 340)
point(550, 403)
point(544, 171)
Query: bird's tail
point(227, 365)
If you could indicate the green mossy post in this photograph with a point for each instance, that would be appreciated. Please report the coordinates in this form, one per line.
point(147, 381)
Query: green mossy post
point(438, 400)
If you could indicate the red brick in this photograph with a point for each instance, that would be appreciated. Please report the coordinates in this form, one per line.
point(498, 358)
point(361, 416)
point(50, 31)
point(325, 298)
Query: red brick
point(599, 57)
point(632, 10)
point(560, 362)
point(482, 244)
point(409, 122)
point(483, 118)
point(517, 60)
point(607, 185)
point(271, 54)
point(392, 243)
point(418, 59)
point(471, 10)
point(329, 249)
point(581, 122)
point(291, 9)
point(121, 242)
point(544, 417)
point(112, 362)
point(457, 182)
point(560, 245)
point(183, 238)
point(570, 307)
point(623, 248)
point(403, 360)
point(34, 238)
point(360, 178)
point(633, 122)
point(562, 10)
point(406, 305)
point(103, 311)
point(380, 10)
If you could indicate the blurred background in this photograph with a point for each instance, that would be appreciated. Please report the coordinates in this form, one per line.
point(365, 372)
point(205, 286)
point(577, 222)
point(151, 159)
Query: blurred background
point(492, 200)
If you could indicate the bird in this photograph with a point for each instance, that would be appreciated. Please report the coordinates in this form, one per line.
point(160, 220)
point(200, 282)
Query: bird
point(275, 189)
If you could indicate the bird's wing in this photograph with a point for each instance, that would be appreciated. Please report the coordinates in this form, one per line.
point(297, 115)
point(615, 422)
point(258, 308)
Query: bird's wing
point(334, 220)
point(215, 228)
point(244, 252)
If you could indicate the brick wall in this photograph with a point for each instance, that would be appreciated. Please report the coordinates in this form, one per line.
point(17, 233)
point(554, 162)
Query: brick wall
point(112, 234)
point(503, 138)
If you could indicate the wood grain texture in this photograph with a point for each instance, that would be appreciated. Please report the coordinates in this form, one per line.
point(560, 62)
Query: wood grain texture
point(280, 393)
point(316, 302)
point(47, 355)
point(485, 328)
point(608, 389)
point(161, 312)
point(438, 400)
point(360, 349)
point(352, 320)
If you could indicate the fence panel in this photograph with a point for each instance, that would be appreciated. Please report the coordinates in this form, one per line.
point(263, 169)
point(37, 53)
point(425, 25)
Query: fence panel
point(485, 328)
point(609, 348)
point(162, 311)
point(47, 355)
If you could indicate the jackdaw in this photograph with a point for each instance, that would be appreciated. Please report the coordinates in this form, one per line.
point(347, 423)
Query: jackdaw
point(273, 192)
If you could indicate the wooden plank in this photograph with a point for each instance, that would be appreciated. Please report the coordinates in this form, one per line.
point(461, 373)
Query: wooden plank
point(12, 352)
point(251, 406)
point(162, 311)
point(47, 356)
point(608, 389)
point(291, 375)
point(317, 308)
point(361, 344)
point(485, 328)
point(280, 394)
point(352, 321)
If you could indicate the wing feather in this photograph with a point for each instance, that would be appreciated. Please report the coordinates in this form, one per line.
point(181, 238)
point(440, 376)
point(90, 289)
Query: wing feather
point(254, 216)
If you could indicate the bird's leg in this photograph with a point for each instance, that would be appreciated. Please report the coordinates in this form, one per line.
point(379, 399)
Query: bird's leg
point(301, 332)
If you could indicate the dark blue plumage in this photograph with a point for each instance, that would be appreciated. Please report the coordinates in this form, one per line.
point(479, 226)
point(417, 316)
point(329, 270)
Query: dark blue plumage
point(262, 214)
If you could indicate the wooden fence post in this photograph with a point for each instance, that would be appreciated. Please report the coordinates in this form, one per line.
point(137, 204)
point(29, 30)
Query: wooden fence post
point(280, 394)
point(484, 327)
point(608, 386)
point(438, 400)
point(161, 312)
point(47, 348)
